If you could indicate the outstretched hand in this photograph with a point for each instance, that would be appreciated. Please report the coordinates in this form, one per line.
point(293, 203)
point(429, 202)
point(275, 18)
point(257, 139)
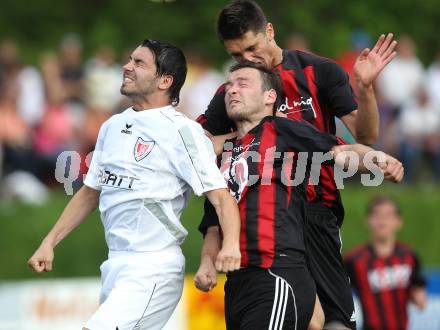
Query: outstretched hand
point(371, 62)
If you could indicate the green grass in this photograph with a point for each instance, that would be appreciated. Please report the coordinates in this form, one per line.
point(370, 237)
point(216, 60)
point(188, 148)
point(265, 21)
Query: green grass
point(81, 253)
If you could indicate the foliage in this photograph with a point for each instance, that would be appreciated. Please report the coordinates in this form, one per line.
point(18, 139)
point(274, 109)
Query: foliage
point(39, 25)
point(81, 253)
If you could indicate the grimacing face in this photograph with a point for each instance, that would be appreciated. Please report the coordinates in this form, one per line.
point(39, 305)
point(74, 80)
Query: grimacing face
point(384, 221)
point(244, 97)
point(253, 47)
point(139, 74)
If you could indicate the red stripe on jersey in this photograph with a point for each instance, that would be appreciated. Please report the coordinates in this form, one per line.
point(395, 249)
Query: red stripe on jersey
point(266, 207)
point(243, 241)
point(245, 142)
point(289, 162)
point(365, 293)
point(291, 92)
point(310, 76)
point(327, 172)
point(386, 296)
point(201, 119)
point(402, 294)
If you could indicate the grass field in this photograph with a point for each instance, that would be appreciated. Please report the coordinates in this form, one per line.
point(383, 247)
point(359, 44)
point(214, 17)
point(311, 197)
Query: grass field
point(80, 254)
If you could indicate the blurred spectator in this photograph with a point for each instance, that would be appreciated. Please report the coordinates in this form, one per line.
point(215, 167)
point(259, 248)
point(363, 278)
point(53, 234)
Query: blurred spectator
point(419, 128)
point(433, 81)
point(402, 78)
point(385, 274)
point(56, 131)
point(297, 41)
point(72, 70)
point(201, 83)
point(103, 79)
point(21, 108)
point(398, 83)
point(21, 111)
point(22, 84)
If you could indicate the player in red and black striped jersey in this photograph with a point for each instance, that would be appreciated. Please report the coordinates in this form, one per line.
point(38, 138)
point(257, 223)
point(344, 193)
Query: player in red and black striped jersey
point(315, 90)
point(384, 273)
point(267, 169)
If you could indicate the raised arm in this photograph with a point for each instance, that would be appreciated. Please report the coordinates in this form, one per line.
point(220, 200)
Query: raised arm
point(229, 258)
point(390, 166)
point(76, 211)
point(364, 122)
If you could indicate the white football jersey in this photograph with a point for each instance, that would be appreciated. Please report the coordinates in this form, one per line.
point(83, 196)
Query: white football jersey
point(145, 164)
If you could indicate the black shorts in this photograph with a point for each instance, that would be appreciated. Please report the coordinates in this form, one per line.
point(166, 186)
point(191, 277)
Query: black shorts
point(323, 254)
point(275, 298)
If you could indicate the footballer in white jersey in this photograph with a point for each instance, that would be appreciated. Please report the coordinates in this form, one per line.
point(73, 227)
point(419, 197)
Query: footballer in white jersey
point(147, 161)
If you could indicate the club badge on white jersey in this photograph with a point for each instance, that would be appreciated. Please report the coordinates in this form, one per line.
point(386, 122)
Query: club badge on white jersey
point(142, 148)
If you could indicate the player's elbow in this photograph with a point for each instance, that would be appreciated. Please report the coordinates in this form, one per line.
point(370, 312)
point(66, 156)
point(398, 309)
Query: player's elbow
point(367, 139)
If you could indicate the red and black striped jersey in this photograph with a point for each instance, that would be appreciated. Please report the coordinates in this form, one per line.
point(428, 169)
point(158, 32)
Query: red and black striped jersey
point(267, 172)
point(316, 90)
point(383, 284)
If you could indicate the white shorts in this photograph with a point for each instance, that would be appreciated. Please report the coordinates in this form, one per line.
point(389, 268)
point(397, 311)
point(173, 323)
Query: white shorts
point(140, 290)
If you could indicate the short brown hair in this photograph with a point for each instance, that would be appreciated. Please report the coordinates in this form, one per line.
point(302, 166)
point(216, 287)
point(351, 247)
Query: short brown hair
point(239, 17)
point(380, 200)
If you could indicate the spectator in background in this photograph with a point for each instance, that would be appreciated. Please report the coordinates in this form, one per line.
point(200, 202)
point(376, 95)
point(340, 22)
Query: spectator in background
point(56, 132)
point(72, 70)
point(21, 107)
point(203, 80)
point(419, 128)
point(23, 83)
point(103, 76)
point(400, 81)
point(398, 84)
point(433, 81)
point(21, 110)
point(102, 80)
point(385, 273)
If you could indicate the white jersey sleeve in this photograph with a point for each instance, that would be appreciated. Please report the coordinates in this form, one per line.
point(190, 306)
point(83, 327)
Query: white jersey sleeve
point(93, 175)
point(196, 165)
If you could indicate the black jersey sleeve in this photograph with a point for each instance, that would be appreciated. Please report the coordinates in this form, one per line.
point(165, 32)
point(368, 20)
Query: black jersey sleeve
point(209, 219)
point(417, 277)
point(215, 119)
point(301, 136)
point(334, 86)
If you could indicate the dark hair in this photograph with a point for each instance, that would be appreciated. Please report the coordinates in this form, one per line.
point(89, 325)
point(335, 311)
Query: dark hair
point(169, 60)
point(270, 79)
point(380, 200)
point(239, 17)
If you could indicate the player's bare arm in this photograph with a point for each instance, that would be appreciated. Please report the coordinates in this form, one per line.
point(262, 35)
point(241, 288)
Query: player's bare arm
point(219, 140)
point(206, 276)
point(369, 64)
point(390, 166)
point(229, 258)
point(75, 213)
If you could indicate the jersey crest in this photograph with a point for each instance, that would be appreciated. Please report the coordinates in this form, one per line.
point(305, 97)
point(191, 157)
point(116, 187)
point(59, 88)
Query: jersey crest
point(142, 148)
